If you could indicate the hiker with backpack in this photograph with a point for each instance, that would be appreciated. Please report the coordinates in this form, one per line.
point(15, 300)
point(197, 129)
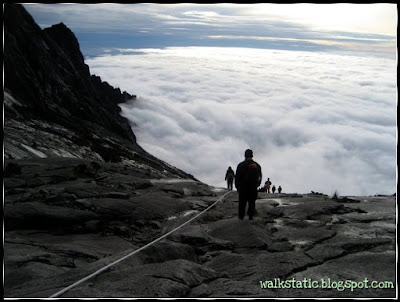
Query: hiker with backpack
point(229, 176)
point(248, 178)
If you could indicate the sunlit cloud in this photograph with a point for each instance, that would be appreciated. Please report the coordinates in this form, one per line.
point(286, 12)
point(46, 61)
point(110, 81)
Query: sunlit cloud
point(315, 121)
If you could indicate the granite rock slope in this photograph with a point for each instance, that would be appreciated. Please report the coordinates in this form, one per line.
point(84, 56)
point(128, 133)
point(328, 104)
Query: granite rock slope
point(72, 219)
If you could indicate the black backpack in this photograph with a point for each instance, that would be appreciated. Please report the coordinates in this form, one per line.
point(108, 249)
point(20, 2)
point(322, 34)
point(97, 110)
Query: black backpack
point(253, 176)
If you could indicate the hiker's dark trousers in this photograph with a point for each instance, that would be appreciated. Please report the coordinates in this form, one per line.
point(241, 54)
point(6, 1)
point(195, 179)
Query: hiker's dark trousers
point(230, 184)
point(247, 196)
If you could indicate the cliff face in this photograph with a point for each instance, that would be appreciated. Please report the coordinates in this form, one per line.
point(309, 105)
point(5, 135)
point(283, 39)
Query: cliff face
point(45, 71)
point(53, 106)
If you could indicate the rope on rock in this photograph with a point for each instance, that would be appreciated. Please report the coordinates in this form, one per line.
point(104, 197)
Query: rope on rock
point(61, 292)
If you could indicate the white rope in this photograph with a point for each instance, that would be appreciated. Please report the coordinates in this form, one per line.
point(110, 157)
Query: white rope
point(134, 252)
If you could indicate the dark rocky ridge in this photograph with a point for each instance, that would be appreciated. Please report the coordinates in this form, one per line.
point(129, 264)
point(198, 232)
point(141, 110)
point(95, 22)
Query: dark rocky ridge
point(81, 193)
point(54, 106)
point(45, 71)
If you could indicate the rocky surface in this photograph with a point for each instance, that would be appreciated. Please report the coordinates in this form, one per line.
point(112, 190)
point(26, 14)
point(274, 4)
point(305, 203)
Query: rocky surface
point(53, 106)
point(80, 193)
point(65, 219)
point(45, 74)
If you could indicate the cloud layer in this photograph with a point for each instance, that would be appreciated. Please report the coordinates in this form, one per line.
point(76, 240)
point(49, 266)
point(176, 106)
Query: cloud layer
point(315, 121)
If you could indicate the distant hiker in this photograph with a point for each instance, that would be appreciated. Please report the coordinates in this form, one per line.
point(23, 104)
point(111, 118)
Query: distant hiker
point(273, 189)
point(267, 186)
point(279, 189)
point(229, 176)
point(248, 178)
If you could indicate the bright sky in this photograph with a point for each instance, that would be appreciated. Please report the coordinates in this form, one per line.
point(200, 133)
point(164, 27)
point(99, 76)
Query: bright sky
point(367, 18)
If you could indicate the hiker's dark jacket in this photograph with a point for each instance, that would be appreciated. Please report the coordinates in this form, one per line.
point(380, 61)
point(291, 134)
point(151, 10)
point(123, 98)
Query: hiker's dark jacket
point(241, 182)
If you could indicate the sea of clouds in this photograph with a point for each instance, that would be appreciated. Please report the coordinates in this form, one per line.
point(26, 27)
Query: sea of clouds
point(315, 121)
